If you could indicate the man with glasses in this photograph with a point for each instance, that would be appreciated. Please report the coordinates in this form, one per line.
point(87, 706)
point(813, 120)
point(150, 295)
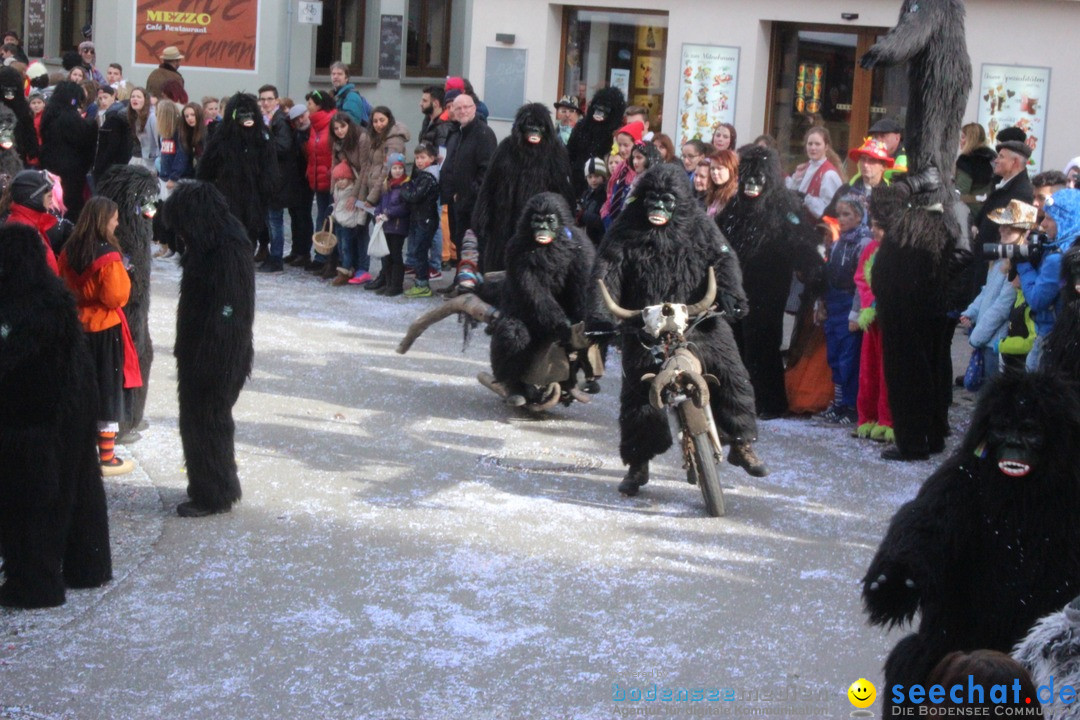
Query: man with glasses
point(281, 137)
point(89, 60)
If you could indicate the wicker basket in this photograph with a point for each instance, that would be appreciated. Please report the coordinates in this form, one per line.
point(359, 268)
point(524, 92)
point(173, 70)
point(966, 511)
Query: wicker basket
point(325, 240)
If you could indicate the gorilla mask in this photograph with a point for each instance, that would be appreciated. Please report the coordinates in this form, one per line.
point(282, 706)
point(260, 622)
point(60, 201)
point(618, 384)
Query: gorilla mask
point(148, 208)
point(7, 131)
point(600, 112)
point(545, 227)
point(244, 118)
point(534, 134)
point(1014, 443)
point(754, 185)
point(9, 92)
point(659, 207)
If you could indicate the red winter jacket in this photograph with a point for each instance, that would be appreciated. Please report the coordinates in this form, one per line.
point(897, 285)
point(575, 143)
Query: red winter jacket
point(319, 151)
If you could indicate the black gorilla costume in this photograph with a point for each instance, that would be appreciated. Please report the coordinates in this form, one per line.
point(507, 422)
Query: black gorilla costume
point(68, 142)
point(241, 163)
point(991, 543)
point(912, 268)
point(134, 189)
point(646, 264)
point(214, 349)
point(10, 161)
point(54, 526)
point(593, 136)
point(530, 160)
point(767, 229)
point(12, 96)
point(1061, 353)
point(546, 290)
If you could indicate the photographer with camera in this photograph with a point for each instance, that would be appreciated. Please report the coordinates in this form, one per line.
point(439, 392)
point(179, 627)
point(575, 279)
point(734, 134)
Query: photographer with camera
point(1038, 263)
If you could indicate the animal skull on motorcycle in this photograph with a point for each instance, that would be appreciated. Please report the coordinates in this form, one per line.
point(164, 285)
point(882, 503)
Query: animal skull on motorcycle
point(666, 318)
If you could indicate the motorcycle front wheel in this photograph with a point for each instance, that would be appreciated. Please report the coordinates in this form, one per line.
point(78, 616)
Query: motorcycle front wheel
point(708, 478)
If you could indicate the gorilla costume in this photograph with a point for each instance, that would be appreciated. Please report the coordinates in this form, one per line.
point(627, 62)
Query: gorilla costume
point(54, 525)
point(241, 163)
point(647, 260)
point(593, 136)
point(12, 96)
point(546, 289)
point(135, 190)
point(213, 349)
point(912, 268)
point(68, 142)
point(990, 543)
point(530, 160)
point(1062, 351)
point(765, 225)
point(10, 161)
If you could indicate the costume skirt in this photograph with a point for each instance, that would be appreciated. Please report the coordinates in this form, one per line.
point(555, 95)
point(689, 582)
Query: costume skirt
point(107, 347)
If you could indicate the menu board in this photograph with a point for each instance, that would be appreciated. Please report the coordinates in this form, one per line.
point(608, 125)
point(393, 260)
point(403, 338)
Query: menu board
point(707, 86)
point(1012, 95)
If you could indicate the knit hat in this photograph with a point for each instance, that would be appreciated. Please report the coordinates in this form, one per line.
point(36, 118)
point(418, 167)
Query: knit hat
point(596, 166)
point(634, 129)
point(1016, 214)
point(1063, 207)
point(395, 159)
point(86, 45)
point(455, 83)
point(342, 171)
point(874, 150)
point(449, 97)
point(29, 188)
point(1010, 134)
point(35, 94)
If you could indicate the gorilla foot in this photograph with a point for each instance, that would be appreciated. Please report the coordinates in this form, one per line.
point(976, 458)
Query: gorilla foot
point(636, 476)
point(743, 455)
point(191, 509)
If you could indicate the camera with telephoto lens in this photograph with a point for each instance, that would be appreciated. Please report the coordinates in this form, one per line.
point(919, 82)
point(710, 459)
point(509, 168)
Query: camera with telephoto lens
point(1031, 251)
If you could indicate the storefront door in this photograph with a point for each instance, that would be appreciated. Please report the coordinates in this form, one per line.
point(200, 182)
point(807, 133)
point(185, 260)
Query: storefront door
point(815, 80)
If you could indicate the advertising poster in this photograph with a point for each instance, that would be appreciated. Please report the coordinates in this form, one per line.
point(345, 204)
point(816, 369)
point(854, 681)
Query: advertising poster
point(620, 79)
point(1011, 95)
point(707, 83)
point(209, 33)
point(808, 84)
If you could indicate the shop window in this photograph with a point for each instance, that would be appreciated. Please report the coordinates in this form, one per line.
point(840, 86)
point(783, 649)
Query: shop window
point(622, 49)
point(75, 16)
point(427, 51)
point(341, 36)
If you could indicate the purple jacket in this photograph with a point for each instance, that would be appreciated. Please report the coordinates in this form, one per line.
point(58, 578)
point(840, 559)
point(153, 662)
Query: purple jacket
point(396, 210)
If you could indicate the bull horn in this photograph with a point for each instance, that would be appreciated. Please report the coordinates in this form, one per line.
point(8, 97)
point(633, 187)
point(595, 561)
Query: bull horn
point(468, 304)
point(620, 313)
point(710, 296)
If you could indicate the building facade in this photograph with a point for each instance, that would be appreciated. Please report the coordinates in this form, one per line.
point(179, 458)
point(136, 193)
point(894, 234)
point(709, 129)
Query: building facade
point(770, 66)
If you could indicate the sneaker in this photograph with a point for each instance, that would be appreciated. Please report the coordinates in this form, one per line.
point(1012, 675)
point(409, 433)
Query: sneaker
point(848, 416)
point(361, 278)
point(831, 415)
point(271, 266)
point(434, 274)
point(418, 291)
point(116, 466)
point(410, 272)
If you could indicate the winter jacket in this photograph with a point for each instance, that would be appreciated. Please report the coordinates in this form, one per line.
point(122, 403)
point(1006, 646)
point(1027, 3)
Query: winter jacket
point(162, 74)
point(421, 193)
point(392, 204)
point(281, 137)
point(114, 140)
point(975, 176)
point(349, 100)
point(844, 258)
point(1018, 188)
point(175, 161)
point(394, 143)
point(370, 175)
point(299, 165)
point(100, 290)
point(468, 153)
point(989, 312)
point(319, 152)
point(149, 144)
point(589, 213)
point(1042, 286)
point(69, 144)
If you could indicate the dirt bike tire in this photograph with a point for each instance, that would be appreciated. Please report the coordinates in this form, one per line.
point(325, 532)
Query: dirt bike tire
point(708, 478)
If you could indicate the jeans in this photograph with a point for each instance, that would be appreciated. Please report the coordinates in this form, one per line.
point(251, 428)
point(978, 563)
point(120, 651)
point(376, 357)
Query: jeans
point(275, 223)
point(420, 237)
point(1034, 357)
point(323, 198)
point(842, 346)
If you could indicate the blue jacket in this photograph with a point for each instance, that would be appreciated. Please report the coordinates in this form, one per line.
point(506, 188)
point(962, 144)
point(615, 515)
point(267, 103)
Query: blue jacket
point(175, 161)
point(393, 205)
point(990, 310)
point(1042, 287)
point(349, 100)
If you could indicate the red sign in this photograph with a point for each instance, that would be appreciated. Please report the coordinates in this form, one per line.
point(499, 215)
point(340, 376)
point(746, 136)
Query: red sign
point(208, 33)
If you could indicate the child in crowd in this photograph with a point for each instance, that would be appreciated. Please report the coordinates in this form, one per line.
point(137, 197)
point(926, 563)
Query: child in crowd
point(348, 216)
point(37, 106)
point(835, 310)
point(588, 209)
point(875, 417)
point(421, 194)
point(92, 267)
point(622, 179)
point(987, 318)
point(393, 212)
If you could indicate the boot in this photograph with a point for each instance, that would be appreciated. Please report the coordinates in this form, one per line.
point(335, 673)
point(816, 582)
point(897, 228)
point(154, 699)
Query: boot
point(636, 476)
point(262, 254)
point(330, 271)
point(378, 283)
point(743, 455)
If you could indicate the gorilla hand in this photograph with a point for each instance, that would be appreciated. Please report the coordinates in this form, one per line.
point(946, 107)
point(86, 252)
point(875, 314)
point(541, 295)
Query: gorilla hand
point(731, 307)
point(925, 180)
point(890, 594)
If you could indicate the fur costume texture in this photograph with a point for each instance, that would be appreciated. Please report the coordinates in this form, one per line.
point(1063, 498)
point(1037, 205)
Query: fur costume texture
point(214, 350)
point(546, 290)
point(68, 143)
point(1051, 653)
point(644, 264)
point(519, 169)
point(12, 96)
point(54, 526)
point(592, 138)
point(990, 543)
point(1062, 351)
point(241, 163)
point(132, 187)
point(10, 161)
point(772, 239)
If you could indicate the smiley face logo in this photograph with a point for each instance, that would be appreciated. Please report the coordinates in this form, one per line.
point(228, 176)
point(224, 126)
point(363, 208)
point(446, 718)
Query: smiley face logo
point(862, 693)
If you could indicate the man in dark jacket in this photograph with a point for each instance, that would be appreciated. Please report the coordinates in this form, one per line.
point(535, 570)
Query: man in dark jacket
point(301, 222)
point(1010, 166)
point(468, 152)
point(114, 136)
point(281, 137)
point(431, 105)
